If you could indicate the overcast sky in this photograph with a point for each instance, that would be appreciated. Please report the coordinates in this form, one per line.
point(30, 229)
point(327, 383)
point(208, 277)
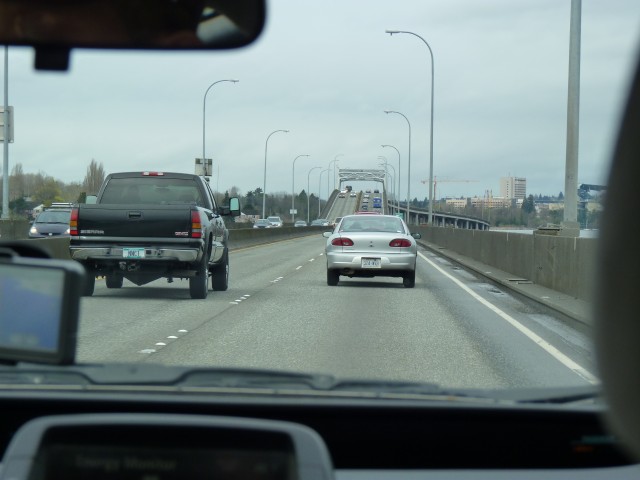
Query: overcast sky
point(326, 71)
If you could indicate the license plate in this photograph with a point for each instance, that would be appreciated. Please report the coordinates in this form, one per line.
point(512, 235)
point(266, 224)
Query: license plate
point(133, 252)
point(371, 263)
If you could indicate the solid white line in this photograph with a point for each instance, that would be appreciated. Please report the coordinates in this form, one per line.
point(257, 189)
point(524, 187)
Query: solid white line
point(550, 349)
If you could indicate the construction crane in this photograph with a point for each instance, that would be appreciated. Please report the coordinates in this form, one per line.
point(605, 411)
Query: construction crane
point(436, 181)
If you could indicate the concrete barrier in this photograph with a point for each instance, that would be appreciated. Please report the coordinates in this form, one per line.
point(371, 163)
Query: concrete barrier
point(238, 238)
point(563, 264)
point(14, 229)
point(248, 237)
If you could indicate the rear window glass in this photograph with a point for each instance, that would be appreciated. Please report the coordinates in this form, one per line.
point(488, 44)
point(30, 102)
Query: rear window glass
point(372, 224)
point(152, 190)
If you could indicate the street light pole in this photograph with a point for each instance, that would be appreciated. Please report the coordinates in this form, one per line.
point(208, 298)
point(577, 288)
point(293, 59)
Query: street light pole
point(391, 32)
point(293, 177)
point(204, 105)
point(319, 188)
point(399, 173)
point(335, 159)
point(264, 183)
point(393, 185)
point(309, 193)
point(329, 167)
point(408, 167)
point(384, 159)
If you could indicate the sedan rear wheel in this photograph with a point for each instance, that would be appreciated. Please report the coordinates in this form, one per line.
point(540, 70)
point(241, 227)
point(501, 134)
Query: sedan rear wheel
point(409, 279)
point(333, 277)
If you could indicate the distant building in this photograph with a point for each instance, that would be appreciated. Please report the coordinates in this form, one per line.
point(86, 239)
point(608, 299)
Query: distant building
point(513, 187)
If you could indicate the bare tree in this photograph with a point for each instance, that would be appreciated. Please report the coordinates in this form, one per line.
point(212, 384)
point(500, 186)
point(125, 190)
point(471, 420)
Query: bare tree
point(94, 177)
point(16, 182)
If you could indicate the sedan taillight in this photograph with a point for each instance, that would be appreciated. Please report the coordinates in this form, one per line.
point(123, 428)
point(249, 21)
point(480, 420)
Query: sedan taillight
point(400, 242)
point(342, 242)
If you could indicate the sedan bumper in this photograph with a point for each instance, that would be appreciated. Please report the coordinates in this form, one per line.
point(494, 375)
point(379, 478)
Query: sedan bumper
point(351, 263)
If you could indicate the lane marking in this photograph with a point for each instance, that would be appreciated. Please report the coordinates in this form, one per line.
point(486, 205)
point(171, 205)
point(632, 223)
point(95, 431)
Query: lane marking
point(148, 350)
point(172, 337)
point(299, 267)
point(312, 259)
point(160, 344)
point(183, 331)
point(550, 349)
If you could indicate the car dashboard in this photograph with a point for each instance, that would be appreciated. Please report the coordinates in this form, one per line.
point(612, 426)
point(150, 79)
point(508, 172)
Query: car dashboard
point(99, 435)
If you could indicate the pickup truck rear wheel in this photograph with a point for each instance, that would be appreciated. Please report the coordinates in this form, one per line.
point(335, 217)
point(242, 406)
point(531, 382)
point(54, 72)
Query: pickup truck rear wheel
point(220, 274)
point(114, 280)
point(89, 283)
point(199, 284)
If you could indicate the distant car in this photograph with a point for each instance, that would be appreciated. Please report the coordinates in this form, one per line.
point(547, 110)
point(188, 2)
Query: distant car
point(366, 195)
point(364, 207)
point(367, 191)
point(377, 202)
point(342, 194)
point(262, 223)
point(320, 222)
point(365, 200)
point(51, 223)
point(275, 221)
point(300, 223)
point(376, 191)
point(371, 246)
point(352, 194)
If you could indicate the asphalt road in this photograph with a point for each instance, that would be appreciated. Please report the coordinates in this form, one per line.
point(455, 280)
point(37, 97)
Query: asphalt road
point(342, 207)
point(452, 328)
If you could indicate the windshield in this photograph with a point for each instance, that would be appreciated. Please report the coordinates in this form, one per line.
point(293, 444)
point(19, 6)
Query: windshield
point(54, 217)
point(450, 116)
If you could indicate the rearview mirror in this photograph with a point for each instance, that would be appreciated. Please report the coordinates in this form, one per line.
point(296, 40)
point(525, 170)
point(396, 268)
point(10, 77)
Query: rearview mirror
point(54, 28)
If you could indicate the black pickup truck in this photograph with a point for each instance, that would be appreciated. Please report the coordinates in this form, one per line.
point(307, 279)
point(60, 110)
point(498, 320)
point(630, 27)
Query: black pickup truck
point(149, 225)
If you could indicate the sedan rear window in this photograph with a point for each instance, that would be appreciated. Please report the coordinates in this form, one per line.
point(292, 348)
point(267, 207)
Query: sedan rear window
point(372, 224)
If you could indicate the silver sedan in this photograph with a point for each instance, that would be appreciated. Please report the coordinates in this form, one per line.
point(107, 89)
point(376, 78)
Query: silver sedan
point(371, 246)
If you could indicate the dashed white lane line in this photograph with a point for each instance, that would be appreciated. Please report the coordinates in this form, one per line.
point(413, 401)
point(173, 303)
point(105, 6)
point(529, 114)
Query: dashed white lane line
point(546, 346)
point(298, 267)
point(149, 351)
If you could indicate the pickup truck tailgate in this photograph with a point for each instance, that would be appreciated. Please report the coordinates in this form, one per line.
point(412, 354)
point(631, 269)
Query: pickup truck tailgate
point(134, 220)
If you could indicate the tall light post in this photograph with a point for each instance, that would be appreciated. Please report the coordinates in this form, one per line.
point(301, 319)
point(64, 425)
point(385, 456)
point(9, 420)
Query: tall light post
point(393, 185)
point(264, 183)
point(384, 160)
point(329, 167)
point(293, 189)
point(335, 159)
point(319, 187)
point(391, 32)
point(204, 106)
point(309, 193)
point(399, 173)
point(408, 167)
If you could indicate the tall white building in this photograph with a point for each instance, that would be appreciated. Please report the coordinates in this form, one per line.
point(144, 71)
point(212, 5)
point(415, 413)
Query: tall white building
point(513, 187)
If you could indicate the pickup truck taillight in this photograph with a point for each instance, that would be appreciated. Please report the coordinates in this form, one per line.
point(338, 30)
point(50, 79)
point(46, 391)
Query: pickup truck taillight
point(196, 226)
point(73, 223)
